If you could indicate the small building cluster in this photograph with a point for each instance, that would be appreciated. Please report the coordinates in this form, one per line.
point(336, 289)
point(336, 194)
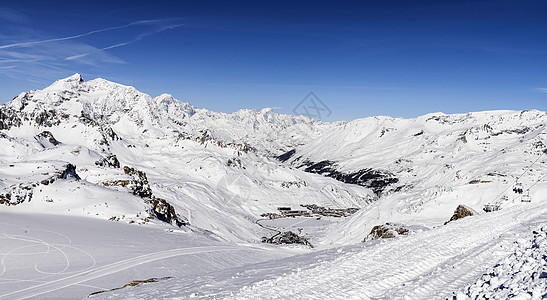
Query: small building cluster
point(312, 210)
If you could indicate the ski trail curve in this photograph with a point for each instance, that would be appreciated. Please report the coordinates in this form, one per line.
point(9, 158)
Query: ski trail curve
point(109, 269)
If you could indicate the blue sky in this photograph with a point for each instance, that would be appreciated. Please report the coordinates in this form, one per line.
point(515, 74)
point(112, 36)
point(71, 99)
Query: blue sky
point(362, 58)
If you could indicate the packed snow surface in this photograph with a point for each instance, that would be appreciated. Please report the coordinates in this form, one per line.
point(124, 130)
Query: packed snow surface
point(434, 264)
point(52, 257)
point(522, 275)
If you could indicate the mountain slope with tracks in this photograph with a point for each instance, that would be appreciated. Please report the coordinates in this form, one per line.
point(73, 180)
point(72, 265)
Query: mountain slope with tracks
point(100, 151)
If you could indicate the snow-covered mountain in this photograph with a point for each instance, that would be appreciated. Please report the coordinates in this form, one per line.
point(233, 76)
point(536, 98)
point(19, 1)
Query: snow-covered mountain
point(101, 150)
point(200, 162)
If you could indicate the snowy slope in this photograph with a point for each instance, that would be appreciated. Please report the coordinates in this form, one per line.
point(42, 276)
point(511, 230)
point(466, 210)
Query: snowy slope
point(440, 161)
point(213, 180)
point(104, 152)
point(52, 257)
point(434, 264)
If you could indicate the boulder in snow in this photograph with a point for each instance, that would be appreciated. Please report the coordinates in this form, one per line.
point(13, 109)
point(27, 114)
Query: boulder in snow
point(69, 171)
point(46, 139)
point(461, 212)
point(386, 231)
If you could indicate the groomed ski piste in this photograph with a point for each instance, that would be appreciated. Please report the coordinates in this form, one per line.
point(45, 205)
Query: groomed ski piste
point(458, 259)
point(108, 193)
point(442, 263)
point(53, 257)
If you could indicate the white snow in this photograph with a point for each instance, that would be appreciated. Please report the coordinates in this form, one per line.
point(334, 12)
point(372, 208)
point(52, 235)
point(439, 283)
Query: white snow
point(434, 264)
point(219, 172)
point(522, 275)
point(54, 257)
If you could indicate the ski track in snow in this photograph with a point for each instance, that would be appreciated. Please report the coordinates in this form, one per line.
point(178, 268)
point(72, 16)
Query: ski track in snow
point(430, 265)
point(50, 249)
point(84, 276)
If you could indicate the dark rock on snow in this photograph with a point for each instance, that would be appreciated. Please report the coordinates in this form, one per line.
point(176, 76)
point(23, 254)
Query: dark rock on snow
point(165, 212)
point(48, 136)
point(110, 161)
point(374, 179)
point(386, 231)
point(460, 213)
point(69, 171)
point(287, 237)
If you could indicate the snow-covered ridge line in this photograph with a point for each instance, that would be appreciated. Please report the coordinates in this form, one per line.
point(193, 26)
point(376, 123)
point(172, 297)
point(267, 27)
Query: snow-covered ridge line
point(109, 103)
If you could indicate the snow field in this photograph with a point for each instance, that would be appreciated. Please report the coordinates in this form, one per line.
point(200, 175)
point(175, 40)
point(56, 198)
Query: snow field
point(63, 257)
point(522, 275)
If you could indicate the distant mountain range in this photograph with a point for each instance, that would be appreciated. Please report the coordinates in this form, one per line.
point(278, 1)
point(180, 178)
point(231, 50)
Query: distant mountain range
point(104, 150)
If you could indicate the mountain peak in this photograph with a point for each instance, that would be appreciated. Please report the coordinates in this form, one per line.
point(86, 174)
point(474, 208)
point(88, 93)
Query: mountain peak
point(66, 83)
point(74, 78)
point(173, 107)
point(167, 98)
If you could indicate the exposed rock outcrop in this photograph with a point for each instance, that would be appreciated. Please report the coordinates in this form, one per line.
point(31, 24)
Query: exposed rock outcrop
point(206, 138)
point(132, 283)
point(9, 118)
point(460, 213)
point(386, 231)
point(141, 187)
point(165, 212)
point(110, 161)
point(108, 135)
point(235, 162)
point(17, 194)
point(46, 139)
point(287, 237)
point(68, 171)
point(298, 184)
point(286, 156)
point(23, 192)
point(47, 118)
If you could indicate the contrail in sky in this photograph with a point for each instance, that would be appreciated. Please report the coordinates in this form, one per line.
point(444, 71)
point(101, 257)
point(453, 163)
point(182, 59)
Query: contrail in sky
point(138, 38)
point(142, 22)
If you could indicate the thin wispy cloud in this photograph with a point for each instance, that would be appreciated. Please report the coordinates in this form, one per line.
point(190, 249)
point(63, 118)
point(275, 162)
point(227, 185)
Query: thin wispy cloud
point(541, 90)
point(12, 16)
point(136, 39)
point(32, 43)
point(53, 57)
